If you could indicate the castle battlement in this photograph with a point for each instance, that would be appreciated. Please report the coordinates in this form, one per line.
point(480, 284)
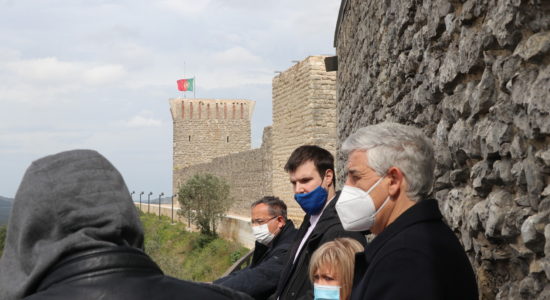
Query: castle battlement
point(210, 109)
point(208, 128)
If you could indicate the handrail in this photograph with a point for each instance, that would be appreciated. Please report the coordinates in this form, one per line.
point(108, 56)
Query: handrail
point(240, 264)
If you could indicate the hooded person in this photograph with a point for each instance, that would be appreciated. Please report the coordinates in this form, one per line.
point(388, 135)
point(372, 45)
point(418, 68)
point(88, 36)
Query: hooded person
point(74, 232)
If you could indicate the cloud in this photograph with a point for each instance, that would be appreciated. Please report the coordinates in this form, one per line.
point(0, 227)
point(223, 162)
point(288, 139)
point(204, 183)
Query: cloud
point(50, 69)
point(48, 79)
point(50, 141)
point(104, 74)
point(141, 121)
point(236, 56)
point(185, 7)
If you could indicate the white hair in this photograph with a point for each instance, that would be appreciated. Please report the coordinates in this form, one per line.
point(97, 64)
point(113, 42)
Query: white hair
point(401, 146)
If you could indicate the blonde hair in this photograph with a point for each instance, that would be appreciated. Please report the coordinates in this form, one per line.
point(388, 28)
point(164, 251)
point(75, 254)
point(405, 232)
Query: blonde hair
point(339, 257)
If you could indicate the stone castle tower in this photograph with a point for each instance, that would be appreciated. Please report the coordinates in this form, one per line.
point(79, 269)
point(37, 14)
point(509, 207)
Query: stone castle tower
point(304, 113)
point(208, 128)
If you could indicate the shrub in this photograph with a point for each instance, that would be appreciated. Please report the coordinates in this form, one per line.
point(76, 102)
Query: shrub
point(204, 198)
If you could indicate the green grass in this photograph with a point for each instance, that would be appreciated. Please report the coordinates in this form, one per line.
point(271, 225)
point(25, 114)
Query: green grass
point(182, 254)
point(188, 255)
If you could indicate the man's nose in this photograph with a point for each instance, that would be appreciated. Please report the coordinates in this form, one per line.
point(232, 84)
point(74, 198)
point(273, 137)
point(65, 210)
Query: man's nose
point(299, 188)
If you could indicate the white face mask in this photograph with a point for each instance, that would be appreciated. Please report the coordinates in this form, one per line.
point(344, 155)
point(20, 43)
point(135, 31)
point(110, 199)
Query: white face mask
point(262, 234)
point(356, 208)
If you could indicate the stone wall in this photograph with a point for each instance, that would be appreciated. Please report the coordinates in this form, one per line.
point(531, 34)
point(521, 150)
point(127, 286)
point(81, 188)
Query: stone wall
point(249, 174)
point(304, 112)
point(475, 76)
point(235, 228)
point(207, 128)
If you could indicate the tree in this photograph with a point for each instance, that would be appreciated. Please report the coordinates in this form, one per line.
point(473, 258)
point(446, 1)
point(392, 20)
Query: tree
point(204, 198)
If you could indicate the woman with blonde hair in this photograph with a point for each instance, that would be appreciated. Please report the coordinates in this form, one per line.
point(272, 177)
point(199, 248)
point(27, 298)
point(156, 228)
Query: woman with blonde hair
point(331, 269)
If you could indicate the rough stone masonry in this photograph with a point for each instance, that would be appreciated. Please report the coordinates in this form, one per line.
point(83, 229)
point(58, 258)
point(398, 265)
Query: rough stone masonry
point(475, 75)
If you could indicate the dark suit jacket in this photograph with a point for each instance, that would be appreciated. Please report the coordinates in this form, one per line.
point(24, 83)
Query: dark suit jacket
point(415, 257)
point(294, 282)
point(259, 280)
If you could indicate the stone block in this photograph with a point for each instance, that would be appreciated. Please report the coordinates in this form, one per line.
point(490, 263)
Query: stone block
point(529, 287)
point(481, 179)
point(503, 171)
point(500, 203)
point(456, 106)
point(472, 41)
point(518, 171)
point(547, 241)
point(477, 217)
point(484, 96)
point(500, 23)
point(532, 232)
point(517, 148)
point(536, 45)
point(534, 181)
point(494, 136)
point(459, 177)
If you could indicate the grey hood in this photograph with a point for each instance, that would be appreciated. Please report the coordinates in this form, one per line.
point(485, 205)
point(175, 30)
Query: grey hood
point(67, 202)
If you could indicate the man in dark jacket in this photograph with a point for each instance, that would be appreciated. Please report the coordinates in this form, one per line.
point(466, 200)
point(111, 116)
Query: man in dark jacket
point(311, 171)
point(74, 233)
point(414, 255)
point(274, 235)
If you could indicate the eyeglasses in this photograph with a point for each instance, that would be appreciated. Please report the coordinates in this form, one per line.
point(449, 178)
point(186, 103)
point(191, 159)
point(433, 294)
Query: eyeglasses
point(260, 221)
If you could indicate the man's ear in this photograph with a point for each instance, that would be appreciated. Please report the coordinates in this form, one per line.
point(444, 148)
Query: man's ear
point(396, 180)
point(329, 177)
point(281, 221)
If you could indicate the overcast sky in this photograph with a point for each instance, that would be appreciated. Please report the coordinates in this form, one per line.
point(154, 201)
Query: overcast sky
point(98, 74)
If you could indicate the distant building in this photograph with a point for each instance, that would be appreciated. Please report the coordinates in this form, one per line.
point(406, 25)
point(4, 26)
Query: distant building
point(213, 136)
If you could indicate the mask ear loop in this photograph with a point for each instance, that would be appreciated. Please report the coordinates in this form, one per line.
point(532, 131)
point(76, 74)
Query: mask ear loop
point(385, 201)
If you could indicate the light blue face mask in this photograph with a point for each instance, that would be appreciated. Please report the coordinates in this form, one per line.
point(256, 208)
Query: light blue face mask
point(326, 292)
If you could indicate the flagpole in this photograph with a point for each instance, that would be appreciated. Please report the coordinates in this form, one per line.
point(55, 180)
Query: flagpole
point(194, 86)
point(184, 77)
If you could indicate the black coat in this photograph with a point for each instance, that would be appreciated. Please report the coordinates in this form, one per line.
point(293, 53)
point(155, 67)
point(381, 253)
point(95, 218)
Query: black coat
point(415, 257)
point(259, 280)
point(294, 282)
point(120, 273)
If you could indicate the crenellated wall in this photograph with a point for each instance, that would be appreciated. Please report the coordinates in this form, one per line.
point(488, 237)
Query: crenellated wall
point(475, 76)
point(204, 129)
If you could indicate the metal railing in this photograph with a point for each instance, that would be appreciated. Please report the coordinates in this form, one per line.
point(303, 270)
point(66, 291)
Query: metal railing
point(240, 264)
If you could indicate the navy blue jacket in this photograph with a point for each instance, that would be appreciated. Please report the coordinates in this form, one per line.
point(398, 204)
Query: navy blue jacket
point(259, 280)
point(415, 257)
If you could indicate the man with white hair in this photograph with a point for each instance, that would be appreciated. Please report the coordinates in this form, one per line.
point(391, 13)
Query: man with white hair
point(414, 255)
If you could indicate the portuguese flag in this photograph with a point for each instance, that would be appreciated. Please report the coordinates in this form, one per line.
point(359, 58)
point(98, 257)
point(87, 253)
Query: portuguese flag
point(186, 84)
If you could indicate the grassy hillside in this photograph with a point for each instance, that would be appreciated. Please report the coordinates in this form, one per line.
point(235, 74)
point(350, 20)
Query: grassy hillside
point(188, 255)
point(182, 254)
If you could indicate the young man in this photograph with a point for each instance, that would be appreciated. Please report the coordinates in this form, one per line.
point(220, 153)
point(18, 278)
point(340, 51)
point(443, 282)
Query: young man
point(311, 171)
point(414, 255)
point(274, 235)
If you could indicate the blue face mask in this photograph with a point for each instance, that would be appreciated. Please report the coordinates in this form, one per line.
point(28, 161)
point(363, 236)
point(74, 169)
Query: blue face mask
point(312, 202)
point(326, 292)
